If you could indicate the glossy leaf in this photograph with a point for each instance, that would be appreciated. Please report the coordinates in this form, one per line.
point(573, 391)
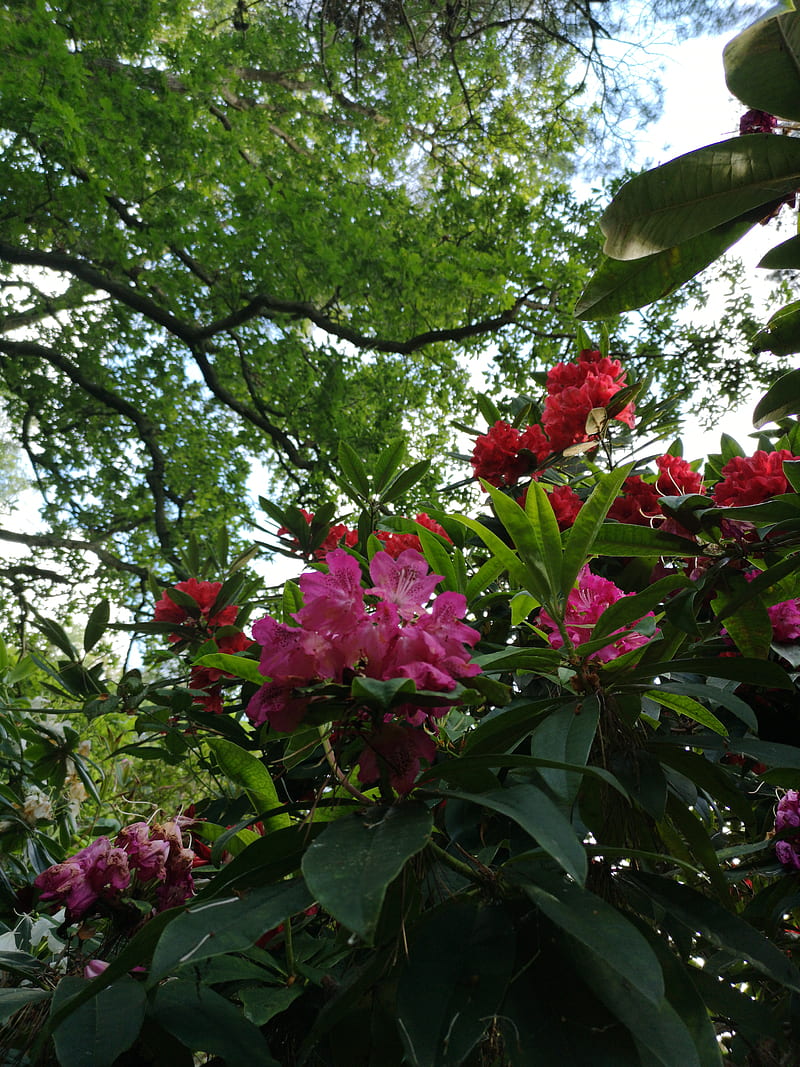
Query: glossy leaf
point(229, 925)
point(762, 65)
point(249, 772)
point(101, 1029)
point(630, 608)
point(786, 255)
point(781, 335)
point(204, 1021)
point(238, 666)
point(687, 706)
point(96, 625)
point(536, 536)
point(351, 864)
point(699, 191)
point(623, 539)
point(604, 932)
point(589, 524)
point(459, 964)
point(780, 400)
point(622, 285)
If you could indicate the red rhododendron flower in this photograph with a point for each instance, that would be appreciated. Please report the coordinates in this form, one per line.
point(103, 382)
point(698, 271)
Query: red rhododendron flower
point(395, 543)
point(676, 477)
point(574, 389)
point(496, 458)
point(566, 504)
point(204, 595)
point(638, 504)
point(752, 479)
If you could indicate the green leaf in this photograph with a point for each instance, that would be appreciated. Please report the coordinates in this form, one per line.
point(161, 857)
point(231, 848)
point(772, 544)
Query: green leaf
point(536, 537)
point(785, 256)
point(630, 608)
point(723, 929)
point(566, 735)
point(604, 932)
point(538, 815)
point(380, 694)
point(623, 539)
point(96, 625)
point(231, 925)
point(589, 524)
point(387, 463)
point(724, 698)
point(781, 335)
point(622, 285)
point(740, 669)
point(781, 399)
point(439, 560)
point(504, 557)
point(762, 65)
point(204, 1021)
point(250, 773)
point(459, 964)
point(488, 408)
point(291, 601)
point(15, 999)
point(57, 636)
point(699, 191)
point(101, 1029)
point(688, 706)
point(487, 573)
point(405, 480)
point(238, 666)
point(355, 478)
point(351, 864)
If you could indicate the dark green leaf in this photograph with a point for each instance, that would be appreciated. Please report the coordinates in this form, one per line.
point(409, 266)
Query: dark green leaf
point(249, 772)
point(780, 400)
point(699, 191)
point(781, 335)
point(351, 864)
point(387, 463)
point(229, 925)
point(101, 1029)
point(459, 964)
point(405, 480)
point(356, 480)
point(381, 694)
point(622, 539)
point(96, 625)
point(15, 999)
point(589, 524)
point(786, 255)
point(762, 65)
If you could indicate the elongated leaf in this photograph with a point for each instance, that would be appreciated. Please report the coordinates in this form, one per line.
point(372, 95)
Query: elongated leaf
point(504, 556)
point(688, 706)
point(249, 772)
point(57, 636)
point(698, 191)
point(708, 776)
point(204, 1021)
point(459, 965)
point(351, 864)
point(238, 666)
point(229, 925)
point(96, 625)
point(488, 572)
point(696, 836)
point(724, 698)
point(387, 463)
point(567, 735)
point(538, 816)
point(623, 539)
point(781, 399)
point(786, 255)
point(739, 668)
point(762, 65)
point(355, 478)
point(589, 523)
point(536, 537)
point(606, 933)
point(16, 998)
point(621, 285)
point(781, 335)
point(101, 1029)
point(630, 608)
point(723, 929)
point(405, 480)
point(439, 560)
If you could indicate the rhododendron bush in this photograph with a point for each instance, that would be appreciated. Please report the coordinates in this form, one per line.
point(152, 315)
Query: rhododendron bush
point(465, 766)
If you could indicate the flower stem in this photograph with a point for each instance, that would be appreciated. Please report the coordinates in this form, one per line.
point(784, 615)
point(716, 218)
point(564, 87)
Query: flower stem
point(341, 777)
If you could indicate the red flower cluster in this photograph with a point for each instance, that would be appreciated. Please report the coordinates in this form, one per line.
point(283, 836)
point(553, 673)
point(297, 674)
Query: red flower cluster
point(574, 389)
point(752, 479)
point(639, 502)
point(205, 622)
point(504, 454)
point(393, 543)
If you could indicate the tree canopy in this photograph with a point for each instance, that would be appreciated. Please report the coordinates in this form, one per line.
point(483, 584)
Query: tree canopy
point(242, 232)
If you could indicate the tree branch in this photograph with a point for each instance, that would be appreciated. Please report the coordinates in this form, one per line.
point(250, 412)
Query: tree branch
point(71, 543)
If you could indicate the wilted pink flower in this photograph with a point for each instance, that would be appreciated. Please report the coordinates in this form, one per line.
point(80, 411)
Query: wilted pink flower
point(585, 604)
point(785, 619)
point(146, 856)
point(787, 817)
point(97, 871)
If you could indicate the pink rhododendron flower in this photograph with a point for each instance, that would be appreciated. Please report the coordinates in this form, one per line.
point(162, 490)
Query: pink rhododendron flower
point(585, 604)
point(400, 747)
point(787, 817)
point(333, 603)
point(752, 479)
point(99, 870)
point(148, 857)
point(785, 619)
point(404, 581)
point(94, 968)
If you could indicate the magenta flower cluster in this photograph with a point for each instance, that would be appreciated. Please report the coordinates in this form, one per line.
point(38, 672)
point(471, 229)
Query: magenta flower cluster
point(585, 604)
point(383, 632)
point(787, 817)
point(144, 862)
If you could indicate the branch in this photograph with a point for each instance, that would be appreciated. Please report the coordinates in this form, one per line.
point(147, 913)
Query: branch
point(71, 543)
point(148, 433)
